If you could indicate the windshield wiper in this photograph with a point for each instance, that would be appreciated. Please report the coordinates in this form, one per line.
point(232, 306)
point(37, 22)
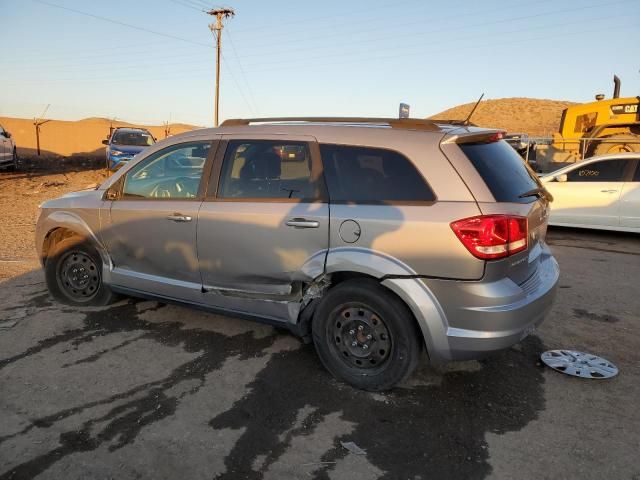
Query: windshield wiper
point(537, 192)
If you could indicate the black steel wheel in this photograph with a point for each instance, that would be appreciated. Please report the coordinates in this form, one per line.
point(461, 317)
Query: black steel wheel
point(78, 276)
point(365, 335)
point(73, 271)
point(359, 336)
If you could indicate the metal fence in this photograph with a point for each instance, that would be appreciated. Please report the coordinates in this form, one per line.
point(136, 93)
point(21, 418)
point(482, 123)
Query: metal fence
point(583, 144)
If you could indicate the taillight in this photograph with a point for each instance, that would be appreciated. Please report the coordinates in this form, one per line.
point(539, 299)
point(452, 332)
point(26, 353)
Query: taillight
point(493, 236)
point(496, 137)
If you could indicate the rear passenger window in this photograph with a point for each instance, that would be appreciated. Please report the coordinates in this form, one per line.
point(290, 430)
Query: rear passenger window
point(372, 175)
point(266, 169)
point(604, 171)
point(504, 171)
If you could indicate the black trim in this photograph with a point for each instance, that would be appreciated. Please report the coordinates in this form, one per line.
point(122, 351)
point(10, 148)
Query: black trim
point(206, 308)
point(430, 277)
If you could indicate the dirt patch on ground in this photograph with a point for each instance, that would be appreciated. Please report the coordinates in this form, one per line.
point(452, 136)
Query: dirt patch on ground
point(20, 195)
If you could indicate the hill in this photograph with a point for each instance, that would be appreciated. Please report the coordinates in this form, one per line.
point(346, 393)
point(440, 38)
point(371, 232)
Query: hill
point(68, 138)
point(534, 116)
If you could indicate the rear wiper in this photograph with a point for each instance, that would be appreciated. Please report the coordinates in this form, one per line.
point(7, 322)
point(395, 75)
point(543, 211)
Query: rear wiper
point(537, 192)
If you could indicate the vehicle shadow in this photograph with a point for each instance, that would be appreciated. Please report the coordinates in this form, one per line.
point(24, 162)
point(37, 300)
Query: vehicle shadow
point(122, 381)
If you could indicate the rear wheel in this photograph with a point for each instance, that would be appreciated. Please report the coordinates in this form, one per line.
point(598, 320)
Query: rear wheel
point(15, 159)
point(73, 272)
point(618, 144)
point(366, 336)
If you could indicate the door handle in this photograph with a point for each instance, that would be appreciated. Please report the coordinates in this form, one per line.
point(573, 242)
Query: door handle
point(613, 190)
point(302, 223)
point(178, 217)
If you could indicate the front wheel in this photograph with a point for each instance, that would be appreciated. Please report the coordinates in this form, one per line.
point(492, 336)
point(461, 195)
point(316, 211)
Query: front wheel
point(366, 336)
point(15, 160)
point(73, 272)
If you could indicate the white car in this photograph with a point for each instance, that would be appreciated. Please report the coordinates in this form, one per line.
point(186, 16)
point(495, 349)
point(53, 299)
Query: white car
point(600, 192)
point(8, 154)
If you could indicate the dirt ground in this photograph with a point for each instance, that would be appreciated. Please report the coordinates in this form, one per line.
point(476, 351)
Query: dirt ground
point(20, 195)
point(147, 390)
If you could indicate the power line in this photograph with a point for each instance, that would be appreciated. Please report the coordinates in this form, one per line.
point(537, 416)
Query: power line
point(403, 34)
point(123, 24)
point(188, 5)
point(244, 76)
point(417, 49)
point(469, 46)
point(153, 61)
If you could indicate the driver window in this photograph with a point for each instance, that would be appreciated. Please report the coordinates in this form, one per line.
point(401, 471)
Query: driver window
point(171, 173)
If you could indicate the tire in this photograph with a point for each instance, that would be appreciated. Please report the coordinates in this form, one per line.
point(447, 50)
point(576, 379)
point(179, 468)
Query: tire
point(620, 145)
point(73, 272)
point(388, 329)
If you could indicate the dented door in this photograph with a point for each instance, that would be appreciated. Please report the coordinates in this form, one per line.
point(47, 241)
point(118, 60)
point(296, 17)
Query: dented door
point(263, 229)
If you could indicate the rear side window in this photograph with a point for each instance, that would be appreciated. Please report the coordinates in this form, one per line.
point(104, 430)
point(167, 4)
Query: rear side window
point(503, 170)
point(371, 175)
point(604, 171)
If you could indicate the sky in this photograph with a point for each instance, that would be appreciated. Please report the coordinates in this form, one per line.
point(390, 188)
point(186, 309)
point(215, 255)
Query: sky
point(152, 61)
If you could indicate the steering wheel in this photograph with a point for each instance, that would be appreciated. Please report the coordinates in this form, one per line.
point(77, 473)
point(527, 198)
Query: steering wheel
point(180, 187)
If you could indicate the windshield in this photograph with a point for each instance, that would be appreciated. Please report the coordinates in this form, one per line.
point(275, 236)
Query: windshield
point(138, 139)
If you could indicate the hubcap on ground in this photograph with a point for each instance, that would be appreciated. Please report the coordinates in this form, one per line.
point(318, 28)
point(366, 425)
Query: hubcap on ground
point(78, 276)
point(361, 337)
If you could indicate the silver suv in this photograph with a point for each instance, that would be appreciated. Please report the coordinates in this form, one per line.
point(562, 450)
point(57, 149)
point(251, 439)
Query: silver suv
point(373, 238)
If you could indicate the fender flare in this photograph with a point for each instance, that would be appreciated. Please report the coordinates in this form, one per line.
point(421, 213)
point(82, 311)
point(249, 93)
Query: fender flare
point(404, 282)
point(74, 223)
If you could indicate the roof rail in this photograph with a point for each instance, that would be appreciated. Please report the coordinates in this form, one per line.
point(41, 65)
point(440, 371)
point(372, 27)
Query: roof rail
point(406, 123)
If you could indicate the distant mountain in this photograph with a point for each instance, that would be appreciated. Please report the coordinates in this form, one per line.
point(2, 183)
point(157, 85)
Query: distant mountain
point(534, 116)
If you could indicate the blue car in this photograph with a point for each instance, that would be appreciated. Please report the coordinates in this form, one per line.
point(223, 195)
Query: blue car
point(124, 144)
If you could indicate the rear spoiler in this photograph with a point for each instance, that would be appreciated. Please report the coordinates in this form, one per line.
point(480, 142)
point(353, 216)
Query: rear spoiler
point(469, 136)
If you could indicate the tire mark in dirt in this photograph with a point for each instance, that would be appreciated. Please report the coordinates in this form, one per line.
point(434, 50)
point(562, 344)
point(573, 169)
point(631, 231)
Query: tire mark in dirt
point(606, 318)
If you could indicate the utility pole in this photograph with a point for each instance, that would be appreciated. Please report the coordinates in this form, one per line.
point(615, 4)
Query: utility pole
point(216, 29)
point(111, 127)
point(37, 122)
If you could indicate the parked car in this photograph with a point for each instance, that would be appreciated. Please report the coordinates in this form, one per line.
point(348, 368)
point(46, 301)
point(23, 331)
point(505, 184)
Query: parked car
point(601, 192)
point(124, 143)
point(372, 238)
point(8, 152)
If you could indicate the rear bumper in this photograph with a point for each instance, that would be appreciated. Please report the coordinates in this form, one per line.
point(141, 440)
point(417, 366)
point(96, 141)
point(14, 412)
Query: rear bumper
point(469, 320)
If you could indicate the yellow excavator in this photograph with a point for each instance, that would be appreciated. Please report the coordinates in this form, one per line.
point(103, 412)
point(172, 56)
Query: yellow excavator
point(596, 128)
